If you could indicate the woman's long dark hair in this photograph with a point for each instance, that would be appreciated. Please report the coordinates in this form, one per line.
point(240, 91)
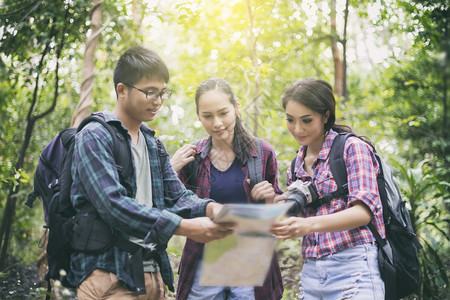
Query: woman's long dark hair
point(243, 142)
point(317, 95)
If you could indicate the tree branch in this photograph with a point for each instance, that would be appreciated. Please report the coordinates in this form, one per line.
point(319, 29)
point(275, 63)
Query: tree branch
point(24, 8)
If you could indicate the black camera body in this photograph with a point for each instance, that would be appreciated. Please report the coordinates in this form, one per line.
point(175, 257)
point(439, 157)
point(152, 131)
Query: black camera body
point(300, 194)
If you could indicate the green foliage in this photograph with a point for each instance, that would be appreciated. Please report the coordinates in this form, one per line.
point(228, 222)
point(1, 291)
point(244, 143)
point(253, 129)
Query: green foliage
point(19, 282)
point(34, 35)
point(416, 88)
point(291, 262)
point(19, 177)
point(400, 104)
point(427, 195)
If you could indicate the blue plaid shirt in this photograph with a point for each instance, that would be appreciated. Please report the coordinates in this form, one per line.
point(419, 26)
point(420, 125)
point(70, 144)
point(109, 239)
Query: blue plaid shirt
point(95, 177)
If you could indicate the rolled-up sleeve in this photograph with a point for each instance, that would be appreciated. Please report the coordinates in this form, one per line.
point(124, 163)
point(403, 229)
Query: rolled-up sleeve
point(362, 168)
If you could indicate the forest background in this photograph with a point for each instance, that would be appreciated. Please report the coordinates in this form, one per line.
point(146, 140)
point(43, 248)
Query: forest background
point(387, 60)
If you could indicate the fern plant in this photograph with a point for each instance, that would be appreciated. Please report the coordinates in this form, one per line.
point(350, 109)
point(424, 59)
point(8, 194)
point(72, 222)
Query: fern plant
point(427, 196)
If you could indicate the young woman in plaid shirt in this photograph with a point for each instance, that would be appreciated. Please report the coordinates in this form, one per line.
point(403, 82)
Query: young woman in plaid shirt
point(223, 176)
point(339, 250)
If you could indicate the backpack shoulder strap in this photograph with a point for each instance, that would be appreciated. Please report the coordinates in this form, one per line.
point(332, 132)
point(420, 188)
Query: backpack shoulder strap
point(336, 160)
point(293, 175)
point(64, 206)
point(254, 165)
point(338, 169)
point(162, 152)
point(121, 149)
point(192, 171)
point(67, 135)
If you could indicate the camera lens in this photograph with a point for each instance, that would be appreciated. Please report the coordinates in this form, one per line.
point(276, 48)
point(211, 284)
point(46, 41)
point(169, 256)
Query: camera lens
point(299, 200)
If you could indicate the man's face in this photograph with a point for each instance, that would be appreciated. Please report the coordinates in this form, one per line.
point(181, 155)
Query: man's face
point(138, 105)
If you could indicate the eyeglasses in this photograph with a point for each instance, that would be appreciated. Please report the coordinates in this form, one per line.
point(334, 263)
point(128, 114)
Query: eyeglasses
point(153, 94)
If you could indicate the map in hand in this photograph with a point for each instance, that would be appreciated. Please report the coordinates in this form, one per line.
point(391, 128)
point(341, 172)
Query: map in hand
point(242, 258)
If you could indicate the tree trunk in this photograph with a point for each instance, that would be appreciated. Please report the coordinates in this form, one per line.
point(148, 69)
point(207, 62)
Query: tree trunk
point(254, 58)
point(83, 108)
point(344, 54)
point(338, 64)
point(136, 10)
point(10, 208)
point(445, 80)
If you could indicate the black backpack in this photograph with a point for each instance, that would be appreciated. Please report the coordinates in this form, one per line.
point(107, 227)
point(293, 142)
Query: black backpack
point(397, 254)
point(85, 231)
point(254, 166)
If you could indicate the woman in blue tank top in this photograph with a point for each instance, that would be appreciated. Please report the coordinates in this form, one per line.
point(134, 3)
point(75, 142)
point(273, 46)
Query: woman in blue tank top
point(223, 176)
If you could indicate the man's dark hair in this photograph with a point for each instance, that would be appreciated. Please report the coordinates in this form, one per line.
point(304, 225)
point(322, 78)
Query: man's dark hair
point(139, 62)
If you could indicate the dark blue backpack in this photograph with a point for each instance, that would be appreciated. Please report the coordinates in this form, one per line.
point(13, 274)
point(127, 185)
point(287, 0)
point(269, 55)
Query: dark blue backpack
point(398, 252)
point(85, 231)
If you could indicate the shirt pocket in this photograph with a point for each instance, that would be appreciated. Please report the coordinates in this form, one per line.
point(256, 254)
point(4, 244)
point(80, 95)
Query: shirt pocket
point(325, 183)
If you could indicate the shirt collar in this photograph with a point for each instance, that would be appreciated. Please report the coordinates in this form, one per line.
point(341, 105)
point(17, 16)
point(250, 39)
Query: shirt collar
point(326, 146)
point(112, 118)
point(203, 147)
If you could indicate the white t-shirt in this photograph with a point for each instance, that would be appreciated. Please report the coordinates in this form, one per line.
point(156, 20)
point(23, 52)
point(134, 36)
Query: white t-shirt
point(144, 189)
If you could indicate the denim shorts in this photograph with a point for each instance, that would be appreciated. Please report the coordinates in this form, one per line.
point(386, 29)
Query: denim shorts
point(199, 292)
point(349, 274)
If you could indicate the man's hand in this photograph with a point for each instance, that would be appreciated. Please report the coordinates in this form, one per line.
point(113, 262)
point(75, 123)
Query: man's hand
point(213, 209)
point(183, 156)
point(203, 229)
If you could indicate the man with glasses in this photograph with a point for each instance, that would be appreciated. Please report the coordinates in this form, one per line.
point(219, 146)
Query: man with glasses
point(161, 206)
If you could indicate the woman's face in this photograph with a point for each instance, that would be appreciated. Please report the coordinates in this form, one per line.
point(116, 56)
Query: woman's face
point(218, 115)
point(305, 125)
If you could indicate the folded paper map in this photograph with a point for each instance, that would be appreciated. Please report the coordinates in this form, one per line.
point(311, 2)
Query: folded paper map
point(242, 258)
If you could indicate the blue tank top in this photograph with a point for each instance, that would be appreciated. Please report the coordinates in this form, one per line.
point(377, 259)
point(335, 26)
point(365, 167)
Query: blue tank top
point(228, 186)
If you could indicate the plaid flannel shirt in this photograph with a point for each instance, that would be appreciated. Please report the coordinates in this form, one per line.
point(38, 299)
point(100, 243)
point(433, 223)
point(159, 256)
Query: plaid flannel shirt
point(362, 169)
point(95, 177)
point(272, 288)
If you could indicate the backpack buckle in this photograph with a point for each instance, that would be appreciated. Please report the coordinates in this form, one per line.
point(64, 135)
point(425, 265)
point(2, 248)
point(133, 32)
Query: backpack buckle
point(53, 184)
point(30, 200)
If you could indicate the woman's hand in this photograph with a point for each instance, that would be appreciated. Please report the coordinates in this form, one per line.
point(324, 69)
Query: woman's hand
point(355, 216)
point(293, 227)
point(280, 198)
point(183, 156)
point(262, 191)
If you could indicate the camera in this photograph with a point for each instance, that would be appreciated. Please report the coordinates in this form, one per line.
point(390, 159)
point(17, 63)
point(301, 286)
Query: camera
point(300, 194)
